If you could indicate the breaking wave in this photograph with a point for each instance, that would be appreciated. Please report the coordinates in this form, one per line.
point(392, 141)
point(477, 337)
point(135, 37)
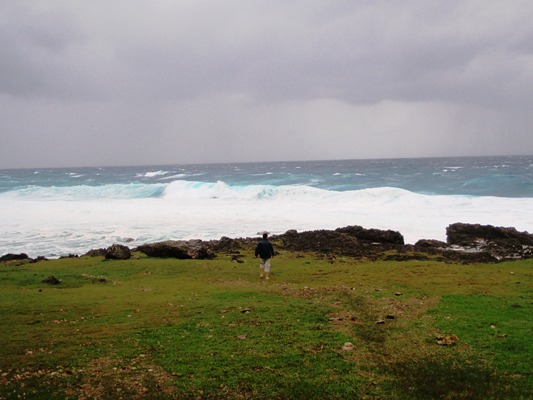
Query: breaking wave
point(73, 219)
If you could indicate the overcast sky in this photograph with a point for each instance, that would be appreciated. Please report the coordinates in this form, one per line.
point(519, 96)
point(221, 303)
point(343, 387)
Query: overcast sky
point(132, 82)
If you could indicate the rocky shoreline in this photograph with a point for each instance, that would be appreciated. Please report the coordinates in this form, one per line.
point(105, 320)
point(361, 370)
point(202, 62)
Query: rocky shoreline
point(466, 243)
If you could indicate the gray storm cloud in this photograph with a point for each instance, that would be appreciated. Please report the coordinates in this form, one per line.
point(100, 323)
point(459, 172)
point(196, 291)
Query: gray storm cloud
point(155, 82)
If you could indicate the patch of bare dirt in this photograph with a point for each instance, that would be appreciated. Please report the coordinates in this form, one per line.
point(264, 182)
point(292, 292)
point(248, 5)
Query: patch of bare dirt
point(136, 379)
point(102, 378)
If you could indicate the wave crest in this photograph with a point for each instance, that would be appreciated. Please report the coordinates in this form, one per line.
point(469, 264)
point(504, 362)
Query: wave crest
point(221, 190)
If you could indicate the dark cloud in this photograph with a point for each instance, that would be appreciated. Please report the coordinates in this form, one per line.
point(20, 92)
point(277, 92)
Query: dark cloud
point(200, 75)
point(36, 39)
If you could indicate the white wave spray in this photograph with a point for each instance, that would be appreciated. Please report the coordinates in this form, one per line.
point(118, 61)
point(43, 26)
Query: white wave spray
point(57, 221)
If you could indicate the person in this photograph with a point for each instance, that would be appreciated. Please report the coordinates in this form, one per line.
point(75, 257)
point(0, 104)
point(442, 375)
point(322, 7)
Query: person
point(265, 251)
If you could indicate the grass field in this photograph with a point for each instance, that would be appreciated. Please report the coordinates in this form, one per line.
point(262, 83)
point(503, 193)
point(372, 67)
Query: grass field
point(164, 329)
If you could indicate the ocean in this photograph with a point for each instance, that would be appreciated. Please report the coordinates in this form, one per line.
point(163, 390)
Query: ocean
point(55, 212)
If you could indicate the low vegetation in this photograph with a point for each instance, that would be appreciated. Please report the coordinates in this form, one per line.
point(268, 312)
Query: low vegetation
point(319, 329)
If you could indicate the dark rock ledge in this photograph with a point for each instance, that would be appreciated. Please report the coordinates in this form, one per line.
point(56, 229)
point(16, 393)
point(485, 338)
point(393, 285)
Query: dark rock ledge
point(466, 243)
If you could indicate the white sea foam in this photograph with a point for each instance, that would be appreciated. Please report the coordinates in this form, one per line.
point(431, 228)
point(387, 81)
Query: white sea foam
point(55, 221)
point(178, 176)
point(154, 173)
point(85, 192)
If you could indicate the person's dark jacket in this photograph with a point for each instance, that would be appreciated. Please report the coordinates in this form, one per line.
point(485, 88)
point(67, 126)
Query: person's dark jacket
point(264, 249)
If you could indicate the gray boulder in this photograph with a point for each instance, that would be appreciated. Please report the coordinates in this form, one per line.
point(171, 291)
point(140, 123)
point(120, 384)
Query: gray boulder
point(118, 252)
point(181, 249)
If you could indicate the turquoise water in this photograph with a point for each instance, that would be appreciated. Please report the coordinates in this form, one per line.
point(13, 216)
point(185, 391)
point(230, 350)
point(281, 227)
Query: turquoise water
point(477, 176)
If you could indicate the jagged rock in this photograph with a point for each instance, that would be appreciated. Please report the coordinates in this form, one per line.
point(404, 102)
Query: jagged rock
point(430, 243)
point(353, 241)
point(321, 241)
point(428, 247)
point(291, 232)
point(472, 234)
point(192, 249)
point(373, 235)
point(96, 253)
point(499, 242)
point(14, 257)
point(118, 252)
point(228, 245)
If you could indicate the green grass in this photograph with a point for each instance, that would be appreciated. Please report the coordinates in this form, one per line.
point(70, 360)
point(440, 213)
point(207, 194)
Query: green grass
point(493, 326)
point(163, 329)
point(272, 348)
point(486, 363)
